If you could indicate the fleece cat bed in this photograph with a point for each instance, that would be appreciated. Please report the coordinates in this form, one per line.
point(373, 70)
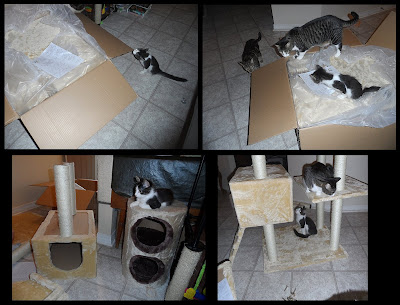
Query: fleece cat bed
point(370, 65)
point(150, 242)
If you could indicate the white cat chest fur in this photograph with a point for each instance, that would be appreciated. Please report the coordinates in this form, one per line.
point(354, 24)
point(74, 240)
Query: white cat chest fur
point(139, 254)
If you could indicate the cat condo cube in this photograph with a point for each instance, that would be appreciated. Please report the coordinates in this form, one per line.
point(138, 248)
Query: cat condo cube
point(64, 246)
point(150, 242)
point(262, 196)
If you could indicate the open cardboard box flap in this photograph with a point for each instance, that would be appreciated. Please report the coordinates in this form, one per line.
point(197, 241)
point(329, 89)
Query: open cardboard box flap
point(272, 110)
point(70, 117)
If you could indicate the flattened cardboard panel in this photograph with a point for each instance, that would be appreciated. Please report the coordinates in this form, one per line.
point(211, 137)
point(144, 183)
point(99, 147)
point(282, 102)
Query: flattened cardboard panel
point(385, 34)
point(348, 137)
point(9, 114)
point(271, 103)
point(70, 117)
point(109, 43)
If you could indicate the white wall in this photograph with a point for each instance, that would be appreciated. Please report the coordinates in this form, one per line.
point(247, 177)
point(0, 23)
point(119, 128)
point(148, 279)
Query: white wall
point(357, 167)
point(287, 17)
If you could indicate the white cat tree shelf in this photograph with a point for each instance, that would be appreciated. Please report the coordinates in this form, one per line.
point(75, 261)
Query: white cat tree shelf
point(262, 196)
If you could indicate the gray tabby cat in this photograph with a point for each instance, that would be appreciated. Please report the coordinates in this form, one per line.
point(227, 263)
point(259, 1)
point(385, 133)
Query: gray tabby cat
point(345, 83)
point(319, 178)
point(251, 56)
point(317, 32)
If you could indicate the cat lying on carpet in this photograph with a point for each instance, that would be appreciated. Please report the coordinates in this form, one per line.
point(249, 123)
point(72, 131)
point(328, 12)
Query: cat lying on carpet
point(307, 225)
point(319, 178)
point(317, 32)
point(148, 197)
point(347, 84)
point(150, 63)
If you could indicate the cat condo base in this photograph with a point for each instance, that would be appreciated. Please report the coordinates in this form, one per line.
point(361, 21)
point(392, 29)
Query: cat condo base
point(59, 257)
point(294, 252)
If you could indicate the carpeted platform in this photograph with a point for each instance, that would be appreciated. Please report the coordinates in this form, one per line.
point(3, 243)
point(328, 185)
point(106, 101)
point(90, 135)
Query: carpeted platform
point(294, 252)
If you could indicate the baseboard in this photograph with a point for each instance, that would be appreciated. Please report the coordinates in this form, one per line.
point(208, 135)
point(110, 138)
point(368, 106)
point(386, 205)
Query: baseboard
point(106, 240)
point(24, 207)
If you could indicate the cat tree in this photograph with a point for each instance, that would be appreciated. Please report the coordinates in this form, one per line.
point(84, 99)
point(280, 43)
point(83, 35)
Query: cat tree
point(64, 246)
point(150, 242)
point(262, 196)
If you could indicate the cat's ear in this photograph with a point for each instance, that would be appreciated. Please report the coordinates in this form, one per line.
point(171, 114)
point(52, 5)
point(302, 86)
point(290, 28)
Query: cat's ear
point(336, 179)
point(136, 179)
point(318, 67)
point(146, 183)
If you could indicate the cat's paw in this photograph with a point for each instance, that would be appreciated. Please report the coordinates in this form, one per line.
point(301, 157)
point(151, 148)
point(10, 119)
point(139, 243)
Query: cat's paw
point(133, 204)
point(143, 72)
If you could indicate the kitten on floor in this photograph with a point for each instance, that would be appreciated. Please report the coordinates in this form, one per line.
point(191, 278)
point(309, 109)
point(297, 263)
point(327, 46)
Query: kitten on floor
point(317, 32)
point(319, 177)
point(251, 56)
point(148, 197)
point(150, 63)
point(347, 84)
point(307, 225)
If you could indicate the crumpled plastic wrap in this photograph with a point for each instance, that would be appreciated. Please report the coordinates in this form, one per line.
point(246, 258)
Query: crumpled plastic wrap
point(29, 29)
point(370, 65)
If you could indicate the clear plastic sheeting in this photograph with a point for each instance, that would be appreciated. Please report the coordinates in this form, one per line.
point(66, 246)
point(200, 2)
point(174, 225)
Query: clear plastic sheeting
point(29, 29)
point(370, 65)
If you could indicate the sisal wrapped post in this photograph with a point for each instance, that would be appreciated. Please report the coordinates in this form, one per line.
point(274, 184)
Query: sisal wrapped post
point(336, 215)
point(183, 272)
point(63, 196)
point(259, 166)
point(320, 205)
point(260, 172)
point(71, 167)
point(269, 235)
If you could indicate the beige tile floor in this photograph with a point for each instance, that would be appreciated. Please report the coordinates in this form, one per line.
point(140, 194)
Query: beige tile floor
point(316, 282)
point(155, 120)
point(226, 86)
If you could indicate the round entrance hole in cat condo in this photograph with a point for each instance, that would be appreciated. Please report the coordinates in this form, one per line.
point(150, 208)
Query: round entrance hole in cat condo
point(151, 234)
point(145, 269)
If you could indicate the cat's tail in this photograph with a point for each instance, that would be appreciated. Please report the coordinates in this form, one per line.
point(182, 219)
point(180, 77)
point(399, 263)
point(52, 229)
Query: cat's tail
point(178, 79)
point(371, 89)
point(299, 234)
point(259, 37)
point(351, 21)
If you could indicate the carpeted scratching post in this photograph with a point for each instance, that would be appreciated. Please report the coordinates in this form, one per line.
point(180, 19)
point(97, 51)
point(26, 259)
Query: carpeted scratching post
point(336, 214)
point(65, 245)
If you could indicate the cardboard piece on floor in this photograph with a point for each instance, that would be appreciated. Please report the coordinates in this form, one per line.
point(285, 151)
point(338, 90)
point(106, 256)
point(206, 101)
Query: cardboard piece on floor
point(272, 109)
point(83, 197)
point(74, 114)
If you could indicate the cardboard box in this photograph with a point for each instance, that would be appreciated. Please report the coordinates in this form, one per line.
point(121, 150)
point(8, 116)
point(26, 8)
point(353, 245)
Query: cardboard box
point(85, 191)
point(272, 110)
point(70, 117)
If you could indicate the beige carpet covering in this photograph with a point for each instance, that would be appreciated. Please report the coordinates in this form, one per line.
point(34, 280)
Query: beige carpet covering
point(294, 252)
